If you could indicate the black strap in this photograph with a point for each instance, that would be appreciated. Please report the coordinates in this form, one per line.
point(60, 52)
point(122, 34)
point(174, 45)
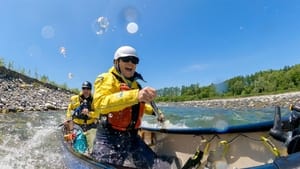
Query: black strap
point(120, 79)
point(134, 116)
point(89, 101)
point(135, 108)
point(193, 161)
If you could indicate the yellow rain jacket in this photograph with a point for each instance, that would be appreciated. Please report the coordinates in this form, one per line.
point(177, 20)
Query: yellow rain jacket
point(109, 98)
point(74, 103)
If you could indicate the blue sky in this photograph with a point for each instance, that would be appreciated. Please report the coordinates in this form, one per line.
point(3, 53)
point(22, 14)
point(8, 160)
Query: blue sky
point(179, 42)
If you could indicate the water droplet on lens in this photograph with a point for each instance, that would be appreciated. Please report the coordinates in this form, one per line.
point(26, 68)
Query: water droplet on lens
point(103, 22)
point(70, 76)
point(221, 125)
point(63, 51)
point(48, 32)
point(131, 14)
point(101, 25)
point(100, 32)
point(132, 27)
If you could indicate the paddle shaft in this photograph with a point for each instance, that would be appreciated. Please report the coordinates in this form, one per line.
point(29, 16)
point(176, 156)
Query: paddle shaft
point(155, 109)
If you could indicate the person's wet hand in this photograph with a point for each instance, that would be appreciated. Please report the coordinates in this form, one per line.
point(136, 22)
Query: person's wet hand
point(66, 122)
point(85, 111)
point(161, 118)
point(147, 94)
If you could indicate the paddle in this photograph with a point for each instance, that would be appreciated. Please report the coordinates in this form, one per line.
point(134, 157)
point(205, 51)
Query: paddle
point(160, 116)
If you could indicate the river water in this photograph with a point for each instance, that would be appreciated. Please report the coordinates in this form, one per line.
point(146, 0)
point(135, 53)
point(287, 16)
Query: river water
point(30, 140)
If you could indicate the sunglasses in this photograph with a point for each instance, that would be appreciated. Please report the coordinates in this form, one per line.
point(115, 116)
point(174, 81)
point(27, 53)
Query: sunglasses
point(132, 59)
point(86, 88)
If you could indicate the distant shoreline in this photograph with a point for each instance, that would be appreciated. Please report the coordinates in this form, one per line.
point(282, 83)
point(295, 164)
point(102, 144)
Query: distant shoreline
point(282, 100)
point(21, 93)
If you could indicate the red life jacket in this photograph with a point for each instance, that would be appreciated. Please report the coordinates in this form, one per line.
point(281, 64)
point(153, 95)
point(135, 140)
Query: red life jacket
point(129, 118)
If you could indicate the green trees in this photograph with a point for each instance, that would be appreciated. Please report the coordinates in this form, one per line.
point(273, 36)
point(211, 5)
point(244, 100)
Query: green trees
point(2, 63)
point(262, 82)
point(44, 79)
point(236, 85)
point(10, 65)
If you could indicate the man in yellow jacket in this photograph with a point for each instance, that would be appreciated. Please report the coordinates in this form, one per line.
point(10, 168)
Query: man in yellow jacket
point(81, 112)
point(121, 103)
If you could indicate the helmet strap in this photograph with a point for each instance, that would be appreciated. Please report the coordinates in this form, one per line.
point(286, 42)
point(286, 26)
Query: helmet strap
point(117, 66)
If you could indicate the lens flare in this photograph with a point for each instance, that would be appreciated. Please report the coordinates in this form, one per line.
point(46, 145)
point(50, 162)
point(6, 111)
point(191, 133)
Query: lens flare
point(132, 27)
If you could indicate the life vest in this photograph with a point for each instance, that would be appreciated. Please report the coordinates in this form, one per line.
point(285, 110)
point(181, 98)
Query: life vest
point(84, 103)
point(129, 118)
point(88, 100)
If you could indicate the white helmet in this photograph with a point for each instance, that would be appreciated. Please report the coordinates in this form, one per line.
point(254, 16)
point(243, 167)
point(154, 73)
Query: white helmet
point(125, 51)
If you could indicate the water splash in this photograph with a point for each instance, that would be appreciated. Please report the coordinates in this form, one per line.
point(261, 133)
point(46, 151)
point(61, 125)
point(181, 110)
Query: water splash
point(166, 124)
point(29, 143)
point(132, 27)
point(48, 32)
point(36, 152)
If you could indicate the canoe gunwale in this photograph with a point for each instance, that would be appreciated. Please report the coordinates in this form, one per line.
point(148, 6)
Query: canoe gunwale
point(245, 128)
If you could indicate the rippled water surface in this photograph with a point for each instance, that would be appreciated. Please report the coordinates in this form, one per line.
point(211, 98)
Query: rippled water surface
point(192, 117)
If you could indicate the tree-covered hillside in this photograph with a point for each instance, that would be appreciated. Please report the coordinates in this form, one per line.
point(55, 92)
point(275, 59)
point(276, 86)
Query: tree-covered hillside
point(263, 82)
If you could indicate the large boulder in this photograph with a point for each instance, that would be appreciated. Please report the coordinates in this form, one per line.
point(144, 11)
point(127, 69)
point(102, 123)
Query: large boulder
point(12, 109)
point(50, 106)
point(3, 100)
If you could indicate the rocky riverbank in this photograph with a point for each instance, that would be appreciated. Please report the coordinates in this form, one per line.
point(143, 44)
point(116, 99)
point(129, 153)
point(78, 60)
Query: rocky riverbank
point(283, 100)
point(21, 93)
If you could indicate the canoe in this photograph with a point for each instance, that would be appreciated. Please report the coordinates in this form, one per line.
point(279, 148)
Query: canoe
point(240, 146)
